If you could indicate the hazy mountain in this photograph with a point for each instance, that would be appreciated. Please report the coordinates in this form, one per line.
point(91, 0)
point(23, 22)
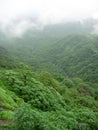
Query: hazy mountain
point(70, 49)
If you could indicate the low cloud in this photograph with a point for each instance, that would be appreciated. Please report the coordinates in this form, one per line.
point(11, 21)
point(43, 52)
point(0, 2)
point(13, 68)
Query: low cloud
point(17, 16)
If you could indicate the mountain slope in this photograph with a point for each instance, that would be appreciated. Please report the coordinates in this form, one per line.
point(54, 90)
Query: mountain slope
point(73, 55)
point(69, 49)
point(76, 56)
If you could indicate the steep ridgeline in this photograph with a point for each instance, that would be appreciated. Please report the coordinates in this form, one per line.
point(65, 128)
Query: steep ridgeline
point(74, 56)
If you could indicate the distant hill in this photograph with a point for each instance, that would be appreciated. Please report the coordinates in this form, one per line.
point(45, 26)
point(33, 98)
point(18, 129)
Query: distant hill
point(5, 59)
point(75, 56)
point(69, 49)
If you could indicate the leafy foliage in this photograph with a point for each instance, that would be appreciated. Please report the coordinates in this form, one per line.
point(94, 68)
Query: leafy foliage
point(41, 102)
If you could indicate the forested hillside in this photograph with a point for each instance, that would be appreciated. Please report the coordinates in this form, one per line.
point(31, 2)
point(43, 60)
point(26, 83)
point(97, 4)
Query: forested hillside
point(39, 101)
point(73, 55)
point(48, 79)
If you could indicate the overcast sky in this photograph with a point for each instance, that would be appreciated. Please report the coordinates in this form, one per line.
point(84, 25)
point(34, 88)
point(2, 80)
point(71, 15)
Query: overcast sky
point(19, 15)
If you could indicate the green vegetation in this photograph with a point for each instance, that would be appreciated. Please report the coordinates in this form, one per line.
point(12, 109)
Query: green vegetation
point(55, 86)
point(73, 55)
point(32, 100)
point(5, 59)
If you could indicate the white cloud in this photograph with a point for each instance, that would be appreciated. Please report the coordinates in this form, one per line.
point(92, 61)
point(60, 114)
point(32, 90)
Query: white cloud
point(30, 13)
